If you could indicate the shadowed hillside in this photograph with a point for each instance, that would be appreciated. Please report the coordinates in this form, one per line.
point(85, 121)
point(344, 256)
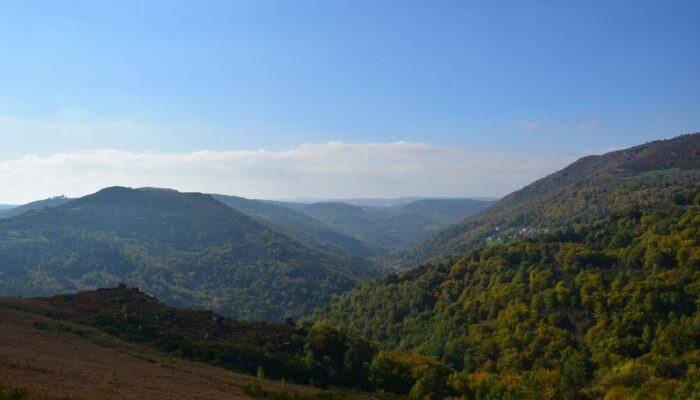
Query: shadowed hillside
point(388, 228)
point(297, 224)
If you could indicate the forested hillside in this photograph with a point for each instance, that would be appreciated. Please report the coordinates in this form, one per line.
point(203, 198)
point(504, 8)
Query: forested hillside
point(593, 310)
point(297, 224)
point(388, 228)
point(187, 248)
point(360, 231)
point(587, 190)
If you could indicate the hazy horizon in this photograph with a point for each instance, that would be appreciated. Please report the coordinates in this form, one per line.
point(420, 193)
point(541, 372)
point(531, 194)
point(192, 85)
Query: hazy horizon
point(381, 201)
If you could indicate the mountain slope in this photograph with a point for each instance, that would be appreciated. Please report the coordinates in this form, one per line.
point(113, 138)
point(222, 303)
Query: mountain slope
point(589, 286)
point(442, 211)
point(296, 223)
point(387, 228)
point(35, 205)
point(585, 191)
point(186, 248)
point(611, 307)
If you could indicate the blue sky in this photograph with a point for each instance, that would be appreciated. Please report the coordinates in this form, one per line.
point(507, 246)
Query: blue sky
point(522, 77)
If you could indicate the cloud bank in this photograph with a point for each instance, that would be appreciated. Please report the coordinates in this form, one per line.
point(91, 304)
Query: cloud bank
point(328, 170)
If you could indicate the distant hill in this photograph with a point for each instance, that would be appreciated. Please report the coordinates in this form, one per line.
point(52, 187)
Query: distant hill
point(587, 190)
point(296, 223)
point(359, 230)
point(399, 201)
point(186, 248)
point(374, 201)
point(35, 205)
point(442, 211)
point(388, 228)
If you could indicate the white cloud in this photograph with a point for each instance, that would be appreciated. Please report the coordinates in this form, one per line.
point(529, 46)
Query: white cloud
point(329, 170)
point(528, 124)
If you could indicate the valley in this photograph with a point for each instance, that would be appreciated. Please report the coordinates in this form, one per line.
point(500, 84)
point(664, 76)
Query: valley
point(349, 200)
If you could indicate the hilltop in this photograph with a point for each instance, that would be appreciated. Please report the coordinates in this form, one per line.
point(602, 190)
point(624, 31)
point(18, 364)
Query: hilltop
point(186, 248)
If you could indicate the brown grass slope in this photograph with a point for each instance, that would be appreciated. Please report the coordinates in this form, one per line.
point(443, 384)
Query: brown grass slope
point(61, 358)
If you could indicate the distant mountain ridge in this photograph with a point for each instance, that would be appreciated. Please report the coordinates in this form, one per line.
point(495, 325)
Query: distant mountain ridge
point(296, 223)
point(377, 201)
point(388, 228)
point(360, 231)
point(11, 211)
point(187, 248)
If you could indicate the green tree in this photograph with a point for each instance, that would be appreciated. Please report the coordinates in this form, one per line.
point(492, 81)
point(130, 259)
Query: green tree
point(574, 373)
